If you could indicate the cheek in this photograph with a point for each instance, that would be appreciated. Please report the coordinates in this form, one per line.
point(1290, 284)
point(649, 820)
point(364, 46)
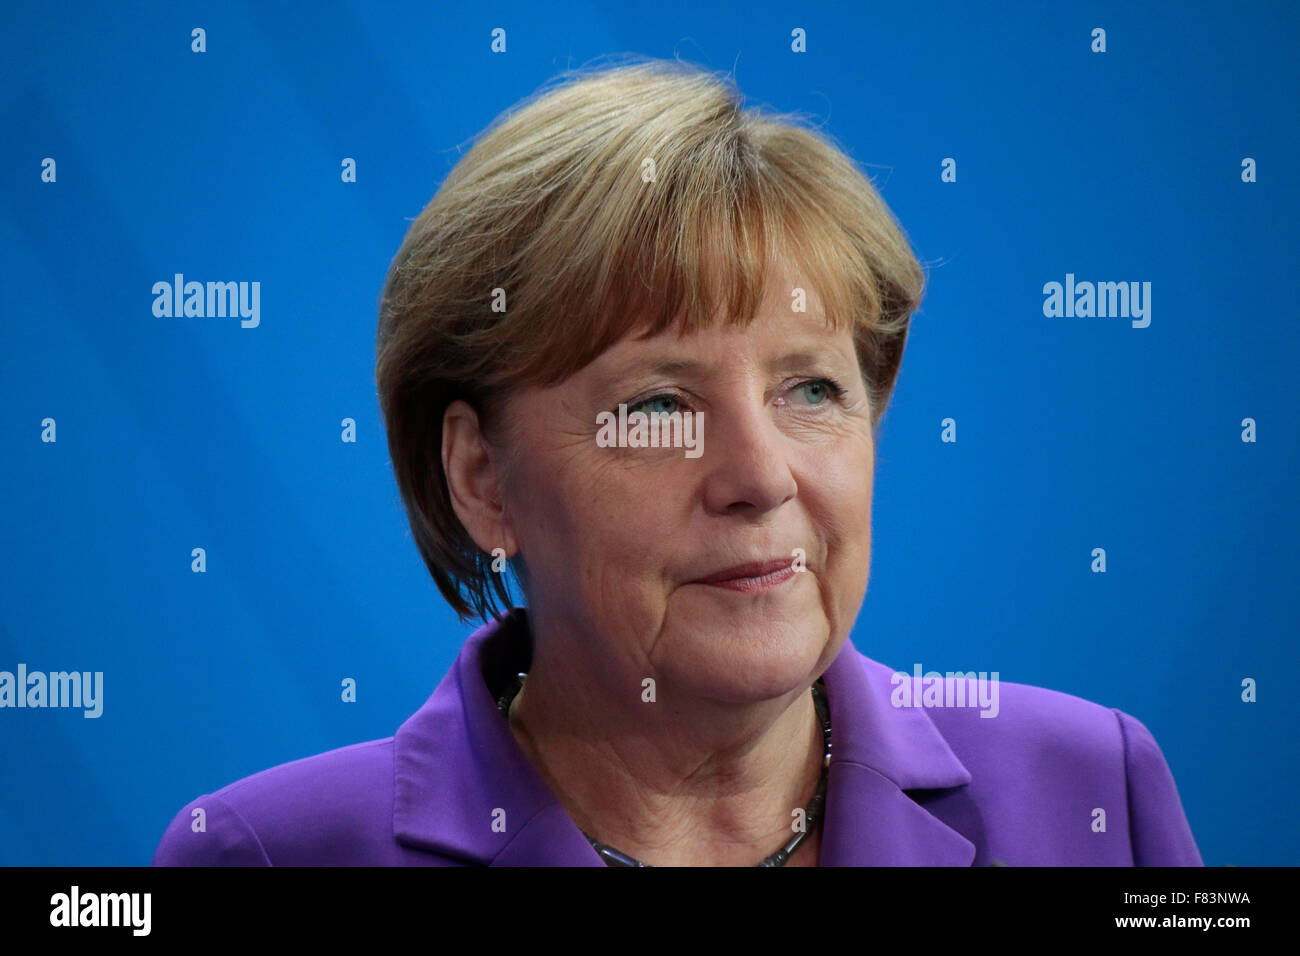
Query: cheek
point(844, 478)
point(612, 548)
point(843, 486)
point(595, 517)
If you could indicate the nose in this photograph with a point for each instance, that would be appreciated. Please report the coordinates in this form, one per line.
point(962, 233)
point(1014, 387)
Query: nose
point(747, 458)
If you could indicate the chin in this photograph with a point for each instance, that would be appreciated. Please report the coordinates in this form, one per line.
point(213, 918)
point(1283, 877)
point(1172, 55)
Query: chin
point(747, 658)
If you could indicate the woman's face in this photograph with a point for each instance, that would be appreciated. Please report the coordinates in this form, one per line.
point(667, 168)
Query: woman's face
point(616, 539)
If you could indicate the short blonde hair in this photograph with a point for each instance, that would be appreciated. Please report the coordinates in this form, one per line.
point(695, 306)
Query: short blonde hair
point(639, 195)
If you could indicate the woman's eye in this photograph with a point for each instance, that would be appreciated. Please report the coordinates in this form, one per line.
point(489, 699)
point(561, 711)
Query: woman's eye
point(818, 390)
point(815, 393)
point(656, 405)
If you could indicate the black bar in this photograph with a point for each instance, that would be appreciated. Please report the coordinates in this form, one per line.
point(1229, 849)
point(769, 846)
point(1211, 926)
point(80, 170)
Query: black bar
point(438, 905)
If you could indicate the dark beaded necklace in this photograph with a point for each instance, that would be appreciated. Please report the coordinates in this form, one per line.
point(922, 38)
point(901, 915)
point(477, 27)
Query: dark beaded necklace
point(813, 813)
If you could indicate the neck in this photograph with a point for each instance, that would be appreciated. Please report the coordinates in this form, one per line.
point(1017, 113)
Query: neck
point(691, 783)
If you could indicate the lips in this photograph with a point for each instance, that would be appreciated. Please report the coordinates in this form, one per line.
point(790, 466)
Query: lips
point(741, 572)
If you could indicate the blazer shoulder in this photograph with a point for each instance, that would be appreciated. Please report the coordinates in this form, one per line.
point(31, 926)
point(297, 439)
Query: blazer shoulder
point(330, 808)
point(1050, 735)
point(1072, 756)
point(1158, 826)
point(1013, 721)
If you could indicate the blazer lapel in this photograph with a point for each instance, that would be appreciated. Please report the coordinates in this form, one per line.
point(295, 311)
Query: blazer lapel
point(878, 753)
point(462, 786)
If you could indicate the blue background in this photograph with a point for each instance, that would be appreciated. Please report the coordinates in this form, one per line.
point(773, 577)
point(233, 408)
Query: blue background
point(1074, 433)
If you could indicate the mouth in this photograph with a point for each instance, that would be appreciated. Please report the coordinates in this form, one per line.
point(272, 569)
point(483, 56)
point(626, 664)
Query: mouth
point(754, 576)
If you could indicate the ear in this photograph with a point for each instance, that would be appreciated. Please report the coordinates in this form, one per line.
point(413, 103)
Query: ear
point(474, 480)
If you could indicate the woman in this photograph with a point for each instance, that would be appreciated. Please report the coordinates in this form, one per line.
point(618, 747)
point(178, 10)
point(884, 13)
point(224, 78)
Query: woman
point(631, 254)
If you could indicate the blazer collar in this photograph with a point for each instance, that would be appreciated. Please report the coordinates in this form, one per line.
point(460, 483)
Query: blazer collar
point(464, 788)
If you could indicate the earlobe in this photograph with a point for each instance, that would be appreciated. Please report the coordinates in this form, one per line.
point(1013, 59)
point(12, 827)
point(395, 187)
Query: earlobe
point(474, 480)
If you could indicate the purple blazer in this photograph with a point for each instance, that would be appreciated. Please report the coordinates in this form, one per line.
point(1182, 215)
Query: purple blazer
point(906, 786)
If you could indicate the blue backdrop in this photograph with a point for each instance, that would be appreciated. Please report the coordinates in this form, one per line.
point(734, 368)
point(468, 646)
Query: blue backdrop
point(1154, 152)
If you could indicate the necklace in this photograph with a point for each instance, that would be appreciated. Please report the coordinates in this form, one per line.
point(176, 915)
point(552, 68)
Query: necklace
point(813, 812)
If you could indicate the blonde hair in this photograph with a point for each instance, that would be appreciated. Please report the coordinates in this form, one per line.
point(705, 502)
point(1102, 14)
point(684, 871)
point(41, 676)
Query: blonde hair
point(643, 194)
